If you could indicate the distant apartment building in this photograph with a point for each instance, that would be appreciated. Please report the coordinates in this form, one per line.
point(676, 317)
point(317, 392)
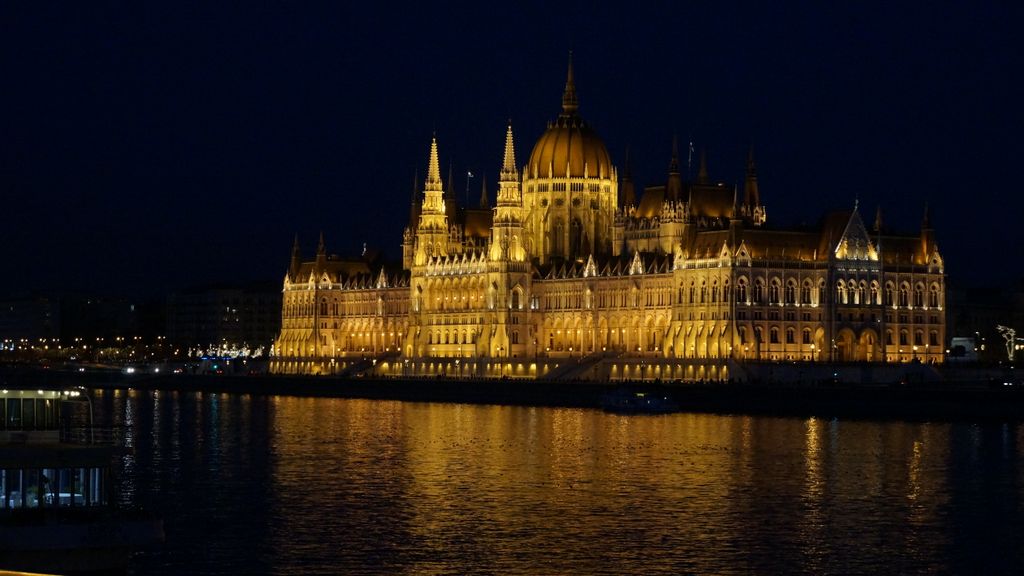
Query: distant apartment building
point(29, 318)
point(211, 316)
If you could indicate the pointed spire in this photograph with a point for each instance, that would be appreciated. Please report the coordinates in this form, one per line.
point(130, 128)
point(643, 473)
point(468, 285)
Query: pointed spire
point(449, 192)
point(673, 165)
point(674, 187)
point(433, 168)
point(751, 195)
point(293, 270)
point(569, 101)
point(414, 206)
point(508, 165)
point(321, 253)
point(878, 218)
point(927, 237)
point(702, 171)
point(484, 203)
point(628, 190)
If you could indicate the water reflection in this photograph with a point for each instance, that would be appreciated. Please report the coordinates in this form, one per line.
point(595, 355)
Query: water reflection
point(300, 485)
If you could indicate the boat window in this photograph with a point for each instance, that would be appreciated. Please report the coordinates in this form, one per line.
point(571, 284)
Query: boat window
point(12, 489)
point(53, 487)
point(14, 413)
point(28, 413)
point(30, 481)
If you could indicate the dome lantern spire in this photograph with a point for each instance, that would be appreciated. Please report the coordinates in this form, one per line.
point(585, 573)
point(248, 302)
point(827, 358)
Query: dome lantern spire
point(570, 104)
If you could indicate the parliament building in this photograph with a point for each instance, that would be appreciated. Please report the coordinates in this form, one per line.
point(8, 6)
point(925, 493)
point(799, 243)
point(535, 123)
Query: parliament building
point(573, 275)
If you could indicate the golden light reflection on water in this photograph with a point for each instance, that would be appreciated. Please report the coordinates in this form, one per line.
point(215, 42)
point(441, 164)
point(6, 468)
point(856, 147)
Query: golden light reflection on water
point(359, 486)
point(589, 489)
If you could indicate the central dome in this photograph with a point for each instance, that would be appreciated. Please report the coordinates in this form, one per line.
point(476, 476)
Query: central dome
point(569, 144)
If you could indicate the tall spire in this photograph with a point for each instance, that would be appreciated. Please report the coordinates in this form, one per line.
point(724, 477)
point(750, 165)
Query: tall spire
point(702, 171)
point(321, 253)
point(433, 168)
point(484, 202)
point(414, 206)
point(508, 166)
point(878, 218)
point(449, 193)
point(673, 165)
point(569, 102)
point(432, 231)
point(674, 189)
point(628, 191)
point(293, 270)
point(751, 195)
point(451, 179)
point(927, 237)
point(433, 188)
point(507, 232)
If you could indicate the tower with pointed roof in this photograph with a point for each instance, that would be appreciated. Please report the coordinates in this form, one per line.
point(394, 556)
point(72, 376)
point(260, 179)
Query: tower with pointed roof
point(409, 235)
point(752, 207)
point(570, 188)
point(432, 232)
point(507, 231)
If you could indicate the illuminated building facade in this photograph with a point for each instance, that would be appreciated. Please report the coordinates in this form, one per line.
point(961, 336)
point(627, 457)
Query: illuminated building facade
point(571, 275)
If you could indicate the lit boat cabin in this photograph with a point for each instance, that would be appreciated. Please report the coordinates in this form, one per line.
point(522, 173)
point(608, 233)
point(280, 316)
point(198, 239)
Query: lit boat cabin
point(37, 468)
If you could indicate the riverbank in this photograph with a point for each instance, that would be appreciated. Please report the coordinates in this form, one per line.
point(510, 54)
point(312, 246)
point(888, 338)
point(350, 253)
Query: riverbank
point(930, 401)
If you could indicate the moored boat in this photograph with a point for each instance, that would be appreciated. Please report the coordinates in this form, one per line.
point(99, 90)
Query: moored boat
point(58, 507)
point(626, 401)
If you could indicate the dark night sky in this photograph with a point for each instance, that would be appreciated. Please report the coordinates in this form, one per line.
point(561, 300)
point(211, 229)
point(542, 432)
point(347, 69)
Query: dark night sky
point(149, 147)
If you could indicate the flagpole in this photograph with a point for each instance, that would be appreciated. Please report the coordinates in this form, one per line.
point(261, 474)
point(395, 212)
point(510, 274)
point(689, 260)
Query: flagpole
point(689, 160)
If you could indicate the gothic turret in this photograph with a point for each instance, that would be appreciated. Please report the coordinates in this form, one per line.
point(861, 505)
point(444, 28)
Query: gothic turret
point(414, 204)
point(702, 170)
point(627, 187)
point(321, 253)
point(293, 269)
point(507, 241)
point(484, 202)
point(432, 232)
point(674, 188)
point(927, 236)
point(752, 206)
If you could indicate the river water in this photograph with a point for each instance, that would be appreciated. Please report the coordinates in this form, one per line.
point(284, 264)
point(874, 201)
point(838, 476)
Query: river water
point(285, 485)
